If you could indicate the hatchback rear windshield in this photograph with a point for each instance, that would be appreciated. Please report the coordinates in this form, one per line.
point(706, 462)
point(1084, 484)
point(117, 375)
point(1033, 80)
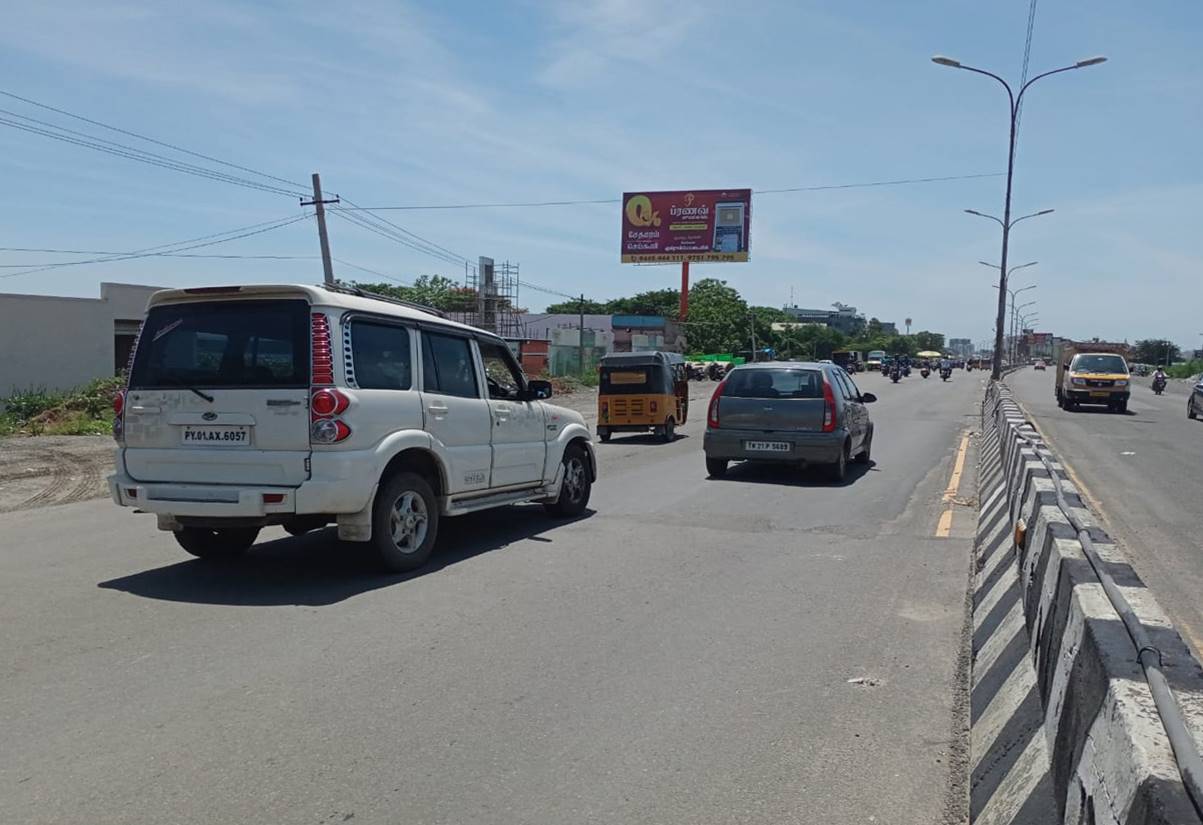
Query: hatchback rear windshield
point(224, 344)
point(772, 383)
point(1099, 363)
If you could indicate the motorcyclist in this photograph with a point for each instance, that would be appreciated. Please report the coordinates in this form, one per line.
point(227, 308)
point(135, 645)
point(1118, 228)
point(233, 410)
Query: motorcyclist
point(1159, 374)
point(945, 364)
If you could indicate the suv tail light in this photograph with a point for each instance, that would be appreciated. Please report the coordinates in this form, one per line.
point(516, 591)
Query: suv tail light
point(712, 412)
point(119, 416)
point(829, 412)
point(322, 366)
point(327, 402)
point(328, 431)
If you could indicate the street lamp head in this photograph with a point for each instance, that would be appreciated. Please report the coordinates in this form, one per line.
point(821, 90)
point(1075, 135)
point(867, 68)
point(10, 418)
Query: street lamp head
point(941, 60)
point(1046, 211)
point(1090, 61)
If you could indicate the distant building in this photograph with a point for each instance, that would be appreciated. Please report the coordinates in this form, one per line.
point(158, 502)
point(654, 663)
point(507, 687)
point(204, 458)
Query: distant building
point(961, 347)
point(841, 317)
point(888, 328)
point(60, 343)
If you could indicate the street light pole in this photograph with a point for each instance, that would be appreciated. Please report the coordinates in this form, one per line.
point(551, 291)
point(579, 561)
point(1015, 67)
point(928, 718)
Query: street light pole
point(1015, 100)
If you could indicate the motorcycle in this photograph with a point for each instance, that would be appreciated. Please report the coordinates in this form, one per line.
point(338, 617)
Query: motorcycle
point(925, 372)
point(906, 372)
point(895, 375)
point(946, 373)
point(1159, 385)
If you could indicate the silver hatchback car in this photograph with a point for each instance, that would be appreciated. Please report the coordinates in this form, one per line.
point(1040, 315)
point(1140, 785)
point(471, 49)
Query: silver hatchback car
point(788, 412)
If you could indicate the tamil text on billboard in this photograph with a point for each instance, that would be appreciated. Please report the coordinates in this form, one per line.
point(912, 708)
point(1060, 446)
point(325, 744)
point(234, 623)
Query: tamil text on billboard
point(694, 225)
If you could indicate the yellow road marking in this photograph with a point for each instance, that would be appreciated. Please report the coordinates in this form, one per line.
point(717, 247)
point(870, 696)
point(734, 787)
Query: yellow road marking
point(944, 527)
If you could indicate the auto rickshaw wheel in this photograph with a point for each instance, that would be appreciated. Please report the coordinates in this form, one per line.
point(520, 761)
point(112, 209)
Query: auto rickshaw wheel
point(669, 431)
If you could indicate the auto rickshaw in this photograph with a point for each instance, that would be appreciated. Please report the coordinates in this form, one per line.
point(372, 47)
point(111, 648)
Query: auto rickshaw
point(641, 391)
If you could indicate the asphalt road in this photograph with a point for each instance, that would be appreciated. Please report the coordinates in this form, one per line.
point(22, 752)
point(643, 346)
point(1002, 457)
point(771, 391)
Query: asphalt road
point(682, 654)
point(1142, 472)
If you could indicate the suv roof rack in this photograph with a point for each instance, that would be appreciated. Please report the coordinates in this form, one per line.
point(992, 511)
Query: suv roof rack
point(363, 293)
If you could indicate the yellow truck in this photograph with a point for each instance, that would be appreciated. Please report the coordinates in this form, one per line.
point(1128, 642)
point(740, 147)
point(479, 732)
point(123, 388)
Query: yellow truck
point(1092, 373)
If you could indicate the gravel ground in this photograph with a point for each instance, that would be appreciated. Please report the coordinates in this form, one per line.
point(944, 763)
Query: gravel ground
point(43, 470)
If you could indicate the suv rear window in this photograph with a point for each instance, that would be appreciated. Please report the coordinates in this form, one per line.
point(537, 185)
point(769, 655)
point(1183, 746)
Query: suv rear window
point(773, 383)
point(224, 344)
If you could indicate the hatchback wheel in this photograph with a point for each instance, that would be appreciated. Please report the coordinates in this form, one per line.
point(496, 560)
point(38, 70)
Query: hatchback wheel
point(216, 543)
point(576, 486)
point(405, 522)
point(716, 467)
point(838, 471)
point(863, 458)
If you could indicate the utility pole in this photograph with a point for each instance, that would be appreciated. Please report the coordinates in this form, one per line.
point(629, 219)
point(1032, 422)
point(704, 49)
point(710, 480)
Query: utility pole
point(582, 335)
point(320, 206)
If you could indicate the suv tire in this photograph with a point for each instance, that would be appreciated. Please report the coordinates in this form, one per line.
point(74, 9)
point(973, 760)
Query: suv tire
point(1191, 413)
point(216, 542)
point(576, 486)
point(405, 522)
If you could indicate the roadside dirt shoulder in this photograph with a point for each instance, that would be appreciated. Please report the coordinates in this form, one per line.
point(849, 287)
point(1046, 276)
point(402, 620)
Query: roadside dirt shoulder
point(44, 470)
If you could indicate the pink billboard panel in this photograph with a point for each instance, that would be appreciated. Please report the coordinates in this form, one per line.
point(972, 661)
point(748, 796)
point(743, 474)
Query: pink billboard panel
point(710, 225)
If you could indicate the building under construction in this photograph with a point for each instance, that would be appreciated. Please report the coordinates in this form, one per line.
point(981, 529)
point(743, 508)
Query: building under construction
point(490, 295)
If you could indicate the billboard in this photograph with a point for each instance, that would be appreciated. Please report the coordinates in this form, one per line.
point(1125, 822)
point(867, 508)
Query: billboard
point(710, 225)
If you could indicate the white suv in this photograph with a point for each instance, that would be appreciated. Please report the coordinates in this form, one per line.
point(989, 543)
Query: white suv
point(297, 405)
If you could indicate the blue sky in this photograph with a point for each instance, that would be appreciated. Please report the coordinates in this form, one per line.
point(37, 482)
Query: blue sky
point(407, 103)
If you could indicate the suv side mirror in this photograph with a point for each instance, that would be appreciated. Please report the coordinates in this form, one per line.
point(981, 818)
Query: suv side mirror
point(867, 398)
point(537, 390)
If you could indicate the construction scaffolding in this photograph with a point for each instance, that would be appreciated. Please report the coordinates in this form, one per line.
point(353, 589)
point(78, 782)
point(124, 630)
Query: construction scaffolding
point(491, 298)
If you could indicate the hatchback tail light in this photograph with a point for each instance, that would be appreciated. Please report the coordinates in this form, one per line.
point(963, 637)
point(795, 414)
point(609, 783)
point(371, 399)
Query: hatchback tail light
point(830, 415)
point(712, 412)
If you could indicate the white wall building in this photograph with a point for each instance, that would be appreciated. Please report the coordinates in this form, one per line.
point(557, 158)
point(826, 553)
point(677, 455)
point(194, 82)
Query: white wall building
point(59, 343)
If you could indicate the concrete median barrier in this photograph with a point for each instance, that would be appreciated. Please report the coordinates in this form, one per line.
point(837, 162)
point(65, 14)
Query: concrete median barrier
point(1064, 724)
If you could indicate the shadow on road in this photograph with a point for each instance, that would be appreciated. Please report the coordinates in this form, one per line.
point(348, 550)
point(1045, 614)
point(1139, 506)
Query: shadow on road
point(318, 569)
point(756, 472)
point(617, 440)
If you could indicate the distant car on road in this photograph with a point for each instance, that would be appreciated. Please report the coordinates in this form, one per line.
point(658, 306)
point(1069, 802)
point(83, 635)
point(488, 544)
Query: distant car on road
point(788, 412)
point(1039, 365)
point(1194, 404)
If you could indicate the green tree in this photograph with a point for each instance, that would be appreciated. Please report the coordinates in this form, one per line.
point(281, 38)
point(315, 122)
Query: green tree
point(573, 307)
point(665, 302)
point(929, 341)
point(429, 290)
point(718, 318)
point(1155, 351)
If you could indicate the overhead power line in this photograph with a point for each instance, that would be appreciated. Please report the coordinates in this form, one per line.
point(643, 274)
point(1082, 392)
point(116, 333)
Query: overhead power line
point(593, 201)
point(177, 246)
point(164, 144)
point(1027, 55)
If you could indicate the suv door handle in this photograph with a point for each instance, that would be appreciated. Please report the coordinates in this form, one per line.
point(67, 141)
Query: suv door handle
point(438, 409)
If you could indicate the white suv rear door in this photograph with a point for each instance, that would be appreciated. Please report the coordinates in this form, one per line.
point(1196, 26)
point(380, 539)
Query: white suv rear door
point(457, 415)
point(519, 429)
point(218, 394)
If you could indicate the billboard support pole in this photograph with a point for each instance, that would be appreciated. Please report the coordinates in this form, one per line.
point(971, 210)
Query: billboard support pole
point(684, 308)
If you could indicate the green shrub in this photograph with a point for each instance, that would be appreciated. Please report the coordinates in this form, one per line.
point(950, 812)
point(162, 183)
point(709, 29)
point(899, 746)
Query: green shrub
point(1187, 370)
point(31, 402)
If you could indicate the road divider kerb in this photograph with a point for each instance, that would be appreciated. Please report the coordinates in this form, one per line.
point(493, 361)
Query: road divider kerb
point(1064, 726)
